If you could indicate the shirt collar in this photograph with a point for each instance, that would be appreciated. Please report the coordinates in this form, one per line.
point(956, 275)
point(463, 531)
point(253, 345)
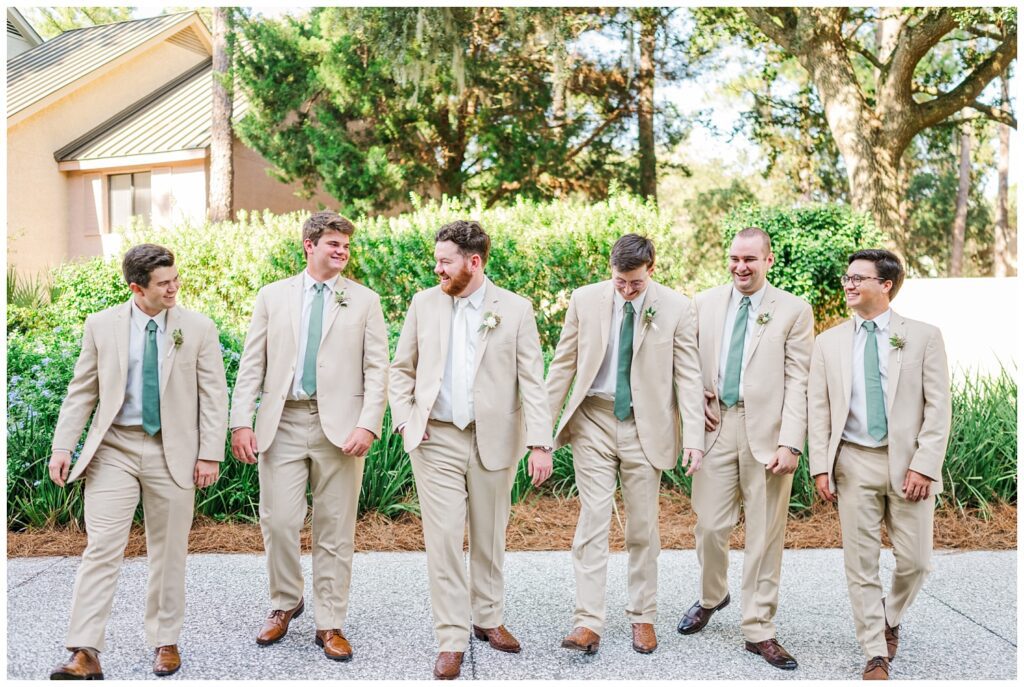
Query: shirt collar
point(638, 302)
point(141, 319)
point(308, 282)
point(755, 298)
point(475, 299)
point(881, 322)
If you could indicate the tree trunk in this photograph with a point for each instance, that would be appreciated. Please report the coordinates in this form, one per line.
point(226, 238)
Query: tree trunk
point(645, 111)
point(872, 171)
point(956, 253)
point(1001, 263)
point(221, 163)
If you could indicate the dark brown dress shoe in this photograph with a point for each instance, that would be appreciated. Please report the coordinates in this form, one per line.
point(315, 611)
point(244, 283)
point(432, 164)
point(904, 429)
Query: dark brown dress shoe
point(499, 638)
point(771, 651)
point(166, 660)
point(84, 664)
point(892, 639)
point(582, 639)
point(644, 639)
point(275, 627)
point(448, 665)
point(698, 616)
point(877, 669)
point(334, 644)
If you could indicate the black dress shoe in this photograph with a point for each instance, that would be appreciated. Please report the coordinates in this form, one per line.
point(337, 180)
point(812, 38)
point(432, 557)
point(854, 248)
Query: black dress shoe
point(698, 616)
point(771, 651)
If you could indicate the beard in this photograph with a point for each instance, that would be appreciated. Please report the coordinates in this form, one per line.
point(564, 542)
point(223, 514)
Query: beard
point(457, 283)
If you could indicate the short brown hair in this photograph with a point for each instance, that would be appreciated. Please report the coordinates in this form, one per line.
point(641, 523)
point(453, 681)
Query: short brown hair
point(140, 261)
point(324, 221)
point(632, 251)
point(887, 264)
point(750, 232)
point(469, 236)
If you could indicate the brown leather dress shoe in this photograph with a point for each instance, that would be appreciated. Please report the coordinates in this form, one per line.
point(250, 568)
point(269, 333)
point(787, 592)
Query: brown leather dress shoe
point(448, 665)
point(771, 651)
point(275, 627)
point(499, 638)
point(582, 639)
point(697, 617)
point(877, 669)
point(166, 660)
point(892, 640)
point(334, 644)
point(84, 664)
point(644, 639)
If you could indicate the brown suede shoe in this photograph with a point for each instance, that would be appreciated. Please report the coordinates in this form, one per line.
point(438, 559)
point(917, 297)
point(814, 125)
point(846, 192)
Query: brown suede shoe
point(275, 627)
point(892, 639)
point(582, 639)
point(771, 651)
point(84, 664)
point(644, 639)
point(166, 660)
point(877, 669)
point(698, 616)
point(448, 665)
point(499, 638)
point(334, 644)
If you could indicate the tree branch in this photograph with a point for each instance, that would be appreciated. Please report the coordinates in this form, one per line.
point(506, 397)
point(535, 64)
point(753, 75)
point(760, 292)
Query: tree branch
point(778, 23)
point(981, 33)
point(995, 114)
point(914, 42)
point(860, 49)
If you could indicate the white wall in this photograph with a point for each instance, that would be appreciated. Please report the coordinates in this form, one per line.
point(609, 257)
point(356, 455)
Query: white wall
point(980, 319)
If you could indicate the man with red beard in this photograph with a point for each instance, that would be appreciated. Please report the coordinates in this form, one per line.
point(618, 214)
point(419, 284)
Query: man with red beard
point(467, 395)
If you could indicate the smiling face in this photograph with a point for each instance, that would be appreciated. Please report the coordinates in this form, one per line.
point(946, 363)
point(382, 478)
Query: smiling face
point(327, 257)
point(870, 298)
point(749, 262)
point(161, 292)
point(632, 283)
point(460, 275)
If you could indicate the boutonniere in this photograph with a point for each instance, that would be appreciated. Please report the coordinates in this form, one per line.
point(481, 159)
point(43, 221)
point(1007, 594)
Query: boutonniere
point(341, 298)
point(178, 338)
point(490, 321)
point(897, 342)
point(764, 318)
point(649, 315)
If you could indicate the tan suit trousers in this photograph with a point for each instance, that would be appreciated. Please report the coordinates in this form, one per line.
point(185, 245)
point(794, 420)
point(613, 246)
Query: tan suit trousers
point(451, 482)
point(603, 448)
point(730, 472)
point(129, 462)
point(866, 500)
point(302, 453)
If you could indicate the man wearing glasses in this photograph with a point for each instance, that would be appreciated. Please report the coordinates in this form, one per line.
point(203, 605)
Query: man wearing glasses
point(878, 425)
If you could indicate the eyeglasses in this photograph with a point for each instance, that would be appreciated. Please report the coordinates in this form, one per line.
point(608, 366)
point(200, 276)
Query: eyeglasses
point(857, 279)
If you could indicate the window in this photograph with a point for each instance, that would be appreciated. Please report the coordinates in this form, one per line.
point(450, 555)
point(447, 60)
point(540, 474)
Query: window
point(130, 196)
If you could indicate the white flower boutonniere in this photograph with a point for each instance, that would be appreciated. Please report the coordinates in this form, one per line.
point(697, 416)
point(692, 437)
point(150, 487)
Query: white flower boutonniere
point(764, 318)
point(341, 298)
point(490, 321)
point(897, 342)
point(178, 338)
point(649, 315)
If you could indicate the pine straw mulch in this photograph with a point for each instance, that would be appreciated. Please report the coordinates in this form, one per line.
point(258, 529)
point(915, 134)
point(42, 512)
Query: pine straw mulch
point(543, 524)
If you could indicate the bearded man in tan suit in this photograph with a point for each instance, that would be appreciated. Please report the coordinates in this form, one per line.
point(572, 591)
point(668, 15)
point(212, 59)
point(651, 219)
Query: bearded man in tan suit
point(630, 344)
point(755, 350)
point(317, 349)
point(467, 395)
point(153, 373)
point(879, 418)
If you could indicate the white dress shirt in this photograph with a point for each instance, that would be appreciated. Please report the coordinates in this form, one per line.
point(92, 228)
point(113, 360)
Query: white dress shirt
point(604, 382)
point(131, 409)
point(730, 322)
point(308, 294)
point(474, 304)
point(856, 429)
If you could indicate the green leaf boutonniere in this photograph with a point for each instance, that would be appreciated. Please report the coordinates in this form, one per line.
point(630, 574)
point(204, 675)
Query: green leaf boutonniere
point(764, 318)
point(897, 342)
point(490, 321)
point(178, 338)
point(649, 315)
point(341, 298)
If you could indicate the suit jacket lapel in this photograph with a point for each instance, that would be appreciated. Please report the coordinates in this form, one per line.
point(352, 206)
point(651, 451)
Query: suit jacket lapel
point(605, 310)
point(846, 359)
point(341, 285)
point(295, 297)
point(650, 301)
point(490, 304)
point(767, 306)
point(122, 339)
point(443, 312)
point(172, 322)
point(719, 308)
point(899, 329)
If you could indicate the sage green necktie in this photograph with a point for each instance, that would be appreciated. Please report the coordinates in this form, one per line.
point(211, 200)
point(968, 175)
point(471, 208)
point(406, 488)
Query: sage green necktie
point(734, 363)
point(877, 425)
point(150, 382)
point(316, 325)
point(623, 394)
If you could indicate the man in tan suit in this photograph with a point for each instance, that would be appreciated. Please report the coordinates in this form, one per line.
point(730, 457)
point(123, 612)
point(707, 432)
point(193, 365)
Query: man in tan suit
point(630, 345)
point(755, 350)
point(153, 373)
point(467, 394)
point(317, 355)
point(879, 419)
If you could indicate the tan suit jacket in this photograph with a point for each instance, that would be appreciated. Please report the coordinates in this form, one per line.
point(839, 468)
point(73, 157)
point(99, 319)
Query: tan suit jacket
point(776, 359)
point(352, 363)
point(510, 408)
point(664, 378)
point(193, 390)
point(918, 405)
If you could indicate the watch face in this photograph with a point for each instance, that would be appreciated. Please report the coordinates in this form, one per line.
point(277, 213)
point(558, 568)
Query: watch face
point(794, 451)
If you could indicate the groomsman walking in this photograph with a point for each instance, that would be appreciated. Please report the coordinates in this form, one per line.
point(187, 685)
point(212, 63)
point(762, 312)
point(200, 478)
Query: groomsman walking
point(630, 346)
point(879, 419)
point(755, 349)
point(152, 371)
point(467, 394)
point(316, 356)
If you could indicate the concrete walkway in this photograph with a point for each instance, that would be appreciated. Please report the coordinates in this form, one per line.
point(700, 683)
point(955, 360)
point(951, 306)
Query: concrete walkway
point(962, 626)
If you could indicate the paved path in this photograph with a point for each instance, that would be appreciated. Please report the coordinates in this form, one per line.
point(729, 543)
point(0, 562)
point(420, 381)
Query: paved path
point(963, 624)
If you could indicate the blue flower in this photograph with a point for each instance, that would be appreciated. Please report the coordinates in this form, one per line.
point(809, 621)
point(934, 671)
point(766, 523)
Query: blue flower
point(46, 393)
point(44, 361)
point(15, 379)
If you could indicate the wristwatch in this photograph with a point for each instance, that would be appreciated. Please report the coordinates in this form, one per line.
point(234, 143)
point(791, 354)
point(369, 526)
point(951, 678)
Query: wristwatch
point(545, 449)
point(794, 451)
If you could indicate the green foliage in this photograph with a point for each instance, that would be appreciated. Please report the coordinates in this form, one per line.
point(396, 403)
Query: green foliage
point(811, 246)
point(52, 21)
